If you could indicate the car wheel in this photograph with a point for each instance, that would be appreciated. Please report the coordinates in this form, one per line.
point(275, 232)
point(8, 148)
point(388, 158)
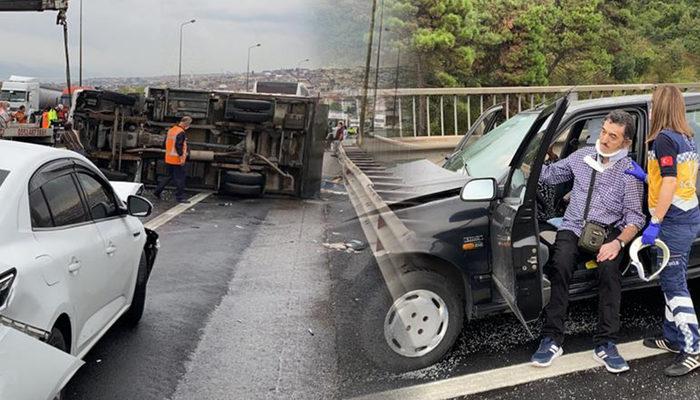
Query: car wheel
point(57, 340)
point(244, 178)
point(415, 328)
point(133, 315)
point(242, 190)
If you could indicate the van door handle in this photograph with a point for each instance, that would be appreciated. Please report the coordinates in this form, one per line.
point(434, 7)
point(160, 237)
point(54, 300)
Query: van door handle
point(74, 266)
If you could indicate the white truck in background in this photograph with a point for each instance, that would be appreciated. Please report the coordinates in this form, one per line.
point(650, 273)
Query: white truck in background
point(28, 92)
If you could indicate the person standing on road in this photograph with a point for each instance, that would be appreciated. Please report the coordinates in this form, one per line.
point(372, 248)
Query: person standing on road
point(175, 158)
point(672, 165)
point(5, 116)
point(605, 203)
point(339, 136)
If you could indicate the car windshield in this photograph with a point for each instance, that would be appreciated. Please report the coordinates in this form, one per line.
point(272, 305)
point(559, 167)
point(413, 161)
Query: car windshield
point(3, 175)
point(13, 95)
point(489, 155)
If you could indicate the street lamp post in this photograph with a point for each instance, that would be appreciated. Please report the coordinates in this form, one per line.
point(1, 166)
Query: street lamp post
point(179, 70)
point(247, 71)
point(299, 66)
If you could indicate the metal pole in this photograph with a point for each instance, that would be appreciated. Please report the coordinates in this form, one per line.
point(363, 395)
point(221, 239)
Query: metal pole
point(179, 69)
point(442, 115)
point(507, 106)
point(469, 112)
point(415, 127)
point(365, 84)
point(376, 70)
point(80, 64)
point(400, 119)
point(427, 112)
point(456, 130)
point(247, 71)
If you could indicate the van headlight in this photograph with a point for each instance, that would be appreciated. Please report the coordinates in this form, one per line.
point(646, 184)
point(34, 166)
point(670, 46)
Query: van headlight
point(6, 281)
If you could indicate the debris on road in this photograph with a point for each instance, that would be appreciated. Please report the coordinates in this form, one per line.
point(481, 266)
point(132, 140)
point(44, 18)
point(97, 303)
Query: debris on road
point(311, 332)
point(356, 245)
point(352, 246)
point(239, 227)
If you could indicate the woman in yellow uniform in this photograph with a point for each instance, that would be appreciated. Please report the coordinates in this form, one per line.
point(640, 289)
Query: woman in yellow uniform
point(672, 166)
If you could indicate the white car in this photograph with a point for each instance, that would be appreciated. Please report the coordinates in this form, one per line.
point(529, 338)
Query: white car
point(74, 258)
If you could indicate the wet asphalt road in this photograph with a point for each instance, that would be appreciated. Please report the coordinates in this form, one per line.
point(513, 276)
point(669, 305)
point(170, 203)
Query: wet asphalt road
point(185, 285)
point(150, 361)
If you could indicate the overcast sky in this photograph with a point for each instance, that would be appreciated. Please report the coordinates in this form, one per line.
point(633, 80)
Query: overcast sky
point(140, 37)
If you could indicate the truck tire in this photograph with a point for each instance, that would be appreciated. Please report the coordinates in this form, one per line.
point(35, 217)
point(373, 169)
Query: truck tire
point(244, 178)
point(133, 315)
point(242, 190)
point(428, 312)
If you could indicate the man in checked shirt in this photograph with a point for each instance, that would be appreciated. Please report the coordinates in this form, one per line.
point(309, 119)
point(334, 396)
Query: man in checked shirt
point(616, 203)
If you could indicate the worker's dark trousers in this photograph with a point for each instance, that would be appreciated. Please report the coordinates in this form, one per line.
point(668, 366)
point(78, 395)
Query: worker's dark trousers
point(175, 173)
point(566, 251)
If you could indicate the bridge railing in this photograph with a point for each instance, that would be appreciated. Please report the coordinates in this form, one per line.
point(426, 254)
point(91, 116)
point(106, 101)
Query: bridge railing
point(427, 123)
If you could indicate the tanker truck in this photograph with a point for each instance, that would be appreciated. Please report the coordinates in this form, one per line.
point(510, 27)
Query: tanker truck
point(28, 92)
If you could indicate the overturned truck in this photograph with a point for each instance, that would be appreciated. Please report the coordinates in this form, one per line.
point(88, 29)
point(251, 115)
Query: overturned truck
point(240, 143)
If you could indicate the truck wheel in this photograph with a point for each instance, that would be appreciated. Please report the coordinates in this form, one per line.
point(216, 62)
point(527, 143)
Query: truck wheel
point(244, 178)
point(242, 190)
point(413, 329)
point(133, 315)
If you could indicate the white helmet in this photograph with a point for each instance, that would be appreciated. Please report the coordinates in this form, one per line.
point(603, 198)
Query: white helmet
point(636, 246)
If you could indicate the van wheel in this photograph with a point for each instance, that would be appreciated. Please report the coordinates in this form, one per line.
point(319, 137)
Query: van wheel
point(415, 328)
point(57, 340)
point(138, 303)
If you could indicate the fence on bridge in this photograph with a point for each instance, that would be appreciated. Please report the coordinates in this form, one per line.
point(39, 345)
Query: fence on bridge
point(414, 119)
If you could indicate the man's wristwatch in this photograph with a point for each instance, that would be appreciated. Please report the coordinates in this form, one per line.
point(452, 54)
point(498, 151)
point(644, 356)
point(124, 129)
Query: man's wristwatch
point(622, 243)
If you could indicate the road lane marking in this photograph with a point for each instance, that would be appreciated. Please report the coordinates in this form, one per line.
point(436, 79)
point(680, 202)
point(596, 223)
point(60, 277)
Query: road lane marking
point(508, 376)
point(163, 218)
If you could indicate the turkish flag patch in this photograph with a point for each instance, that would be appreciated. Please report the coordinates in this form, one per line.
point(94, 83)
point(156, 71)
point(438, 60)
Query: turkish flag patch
point(666, 161)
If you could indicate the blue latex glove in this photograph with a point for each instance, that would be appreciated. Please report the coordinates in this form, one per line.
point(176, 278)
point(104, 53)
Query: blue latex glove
point(637, 172)
point(651, 233)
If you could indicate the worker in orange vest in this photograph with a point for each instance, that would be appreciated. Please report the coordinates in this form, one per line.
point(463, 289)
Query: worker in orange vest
point(20, 115)
point(46, 118)
point(175, 158)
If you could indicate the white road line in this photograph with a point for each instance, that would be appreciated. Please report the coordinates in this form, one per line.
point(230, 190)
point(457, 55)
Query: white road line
point(163, 218)
point(508, 376)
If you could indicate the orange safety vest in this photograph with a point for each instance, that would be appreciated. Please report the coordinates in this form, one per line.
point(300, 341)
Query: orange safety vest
point(45, 122)
point(171, 156)
point(20, 117)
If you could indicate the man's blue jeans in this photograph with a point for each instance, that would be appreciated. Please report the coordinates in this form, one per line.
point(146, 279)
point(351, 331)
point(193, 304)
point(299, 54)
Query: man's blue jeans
point(177, 174)
point(680, 322)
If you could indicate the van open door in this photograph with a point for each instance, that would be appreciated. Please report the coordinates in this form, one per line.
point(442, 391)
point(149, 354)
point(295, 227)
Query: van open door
point(515, 244)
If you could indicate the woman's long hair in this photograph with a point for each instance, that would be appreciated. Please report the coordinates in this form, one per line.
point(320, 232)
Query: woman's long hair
point(668, 112)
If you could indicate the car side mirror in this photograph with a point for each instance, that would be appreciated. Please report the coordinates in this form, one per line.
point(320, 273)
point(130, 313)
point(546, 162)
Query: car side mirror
point(479, 189)
point(138, 206)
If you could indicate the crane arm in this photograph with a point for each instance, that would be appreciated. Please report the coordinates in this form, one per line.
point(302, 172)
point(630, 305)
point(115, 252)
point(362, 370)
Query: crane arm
point(33, 5)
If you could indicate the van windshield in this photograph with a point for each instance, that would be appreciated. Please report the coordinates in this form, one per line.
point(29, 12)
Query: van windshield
point(490, 155)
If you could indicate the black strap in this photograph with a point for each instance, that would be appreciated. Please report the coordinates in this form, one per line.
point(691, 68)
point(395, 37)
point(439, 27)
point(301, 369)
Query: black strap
point(588, 198)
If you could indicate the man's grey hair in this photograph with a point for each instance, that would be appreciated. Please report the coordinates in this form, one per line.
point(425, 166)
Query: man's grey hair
point(186, 120)
point(623, 118)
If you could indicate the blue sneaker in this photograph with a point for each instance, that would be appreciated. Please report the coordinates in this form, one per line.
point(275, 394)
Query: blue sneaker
point(546, 353)
point(607, 355)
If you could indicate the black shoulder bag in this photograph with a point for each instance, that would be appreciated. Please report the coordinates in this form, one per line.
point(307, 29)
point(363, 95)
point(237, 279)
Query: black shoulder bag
point(593, 235)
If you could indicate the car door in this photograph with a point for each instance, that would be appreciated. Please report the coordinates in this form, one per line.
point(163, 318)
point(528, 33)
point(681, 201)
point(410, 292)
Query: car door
point(515, 247)
point(67, 242)
point(120, 239)
point(483, 125)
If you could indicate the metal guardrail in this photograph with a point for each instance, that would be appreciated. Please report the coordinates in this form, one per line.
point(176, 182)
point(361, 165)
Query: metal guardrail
point(387, 236)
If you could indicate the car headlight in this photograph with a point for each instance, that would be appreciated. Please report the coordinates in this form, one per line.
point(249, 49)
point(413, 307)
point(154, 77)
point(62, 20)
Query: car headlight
point(6, 281)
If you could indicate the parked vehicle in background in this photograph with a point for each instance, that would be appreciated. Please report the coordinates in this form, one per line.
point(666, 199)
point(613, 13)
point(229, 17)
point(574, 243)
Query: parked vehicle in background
point(28, 92)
